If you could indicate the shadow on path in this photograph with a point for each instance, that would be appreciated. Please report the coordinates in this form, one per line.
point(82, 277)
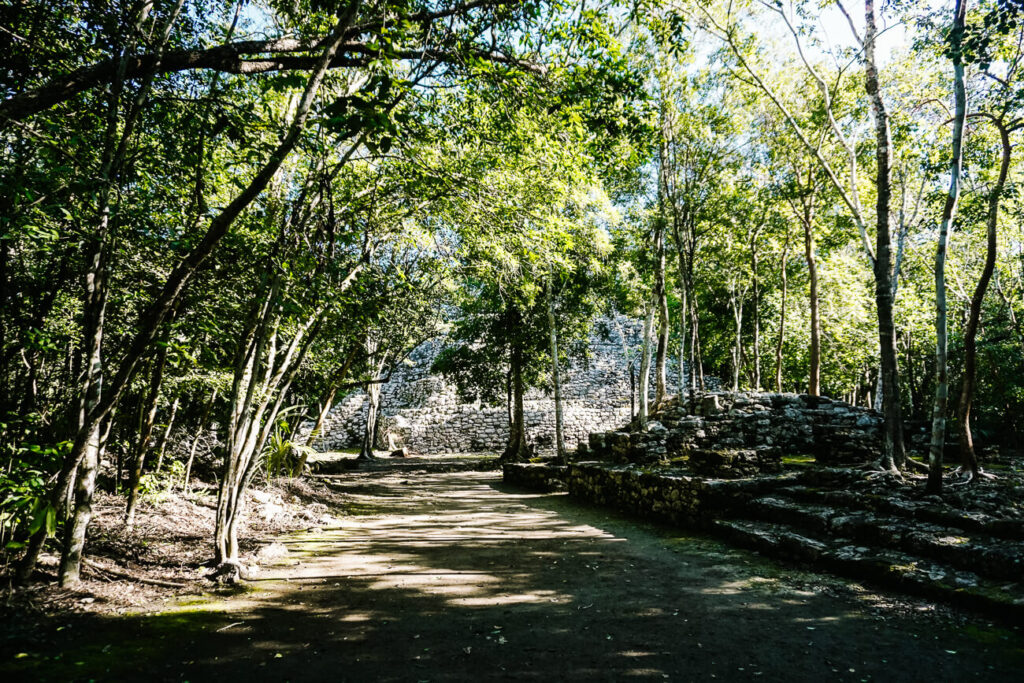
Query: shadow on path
point(458, 578)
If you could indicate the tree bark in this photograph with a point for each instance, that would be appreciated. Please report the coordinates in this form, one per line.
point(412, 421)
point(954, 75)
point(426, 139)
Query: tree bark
point(756, 285)
point(517, 449)
point(556, 383)
point(736, 303)
point(203, 422)
point(370, 424)
point(661, 301)
point(328, 400)
point(376, 359)
point(645, 368)
point(78, 525)
point(782, 315)
point(968, 458)
point(938, 436)
point(161, 445)
point(810, 257)
point(894, 453)
point(145, 435)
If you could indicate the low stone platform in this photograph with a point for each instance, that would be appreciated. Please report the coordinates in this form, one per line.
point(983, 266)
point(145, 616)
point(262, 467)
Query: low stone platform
point(727, 434)
point(966, 547)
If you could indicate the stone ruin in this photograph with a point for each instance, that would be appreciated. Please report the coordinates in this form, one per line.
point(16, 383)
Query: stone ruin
point(741, 434)
point(423, 412)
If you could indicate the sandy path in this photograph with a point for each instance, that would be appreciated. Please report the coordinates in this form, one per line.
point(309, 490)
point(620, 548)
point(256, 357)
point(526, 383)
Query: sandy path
point(453, 577)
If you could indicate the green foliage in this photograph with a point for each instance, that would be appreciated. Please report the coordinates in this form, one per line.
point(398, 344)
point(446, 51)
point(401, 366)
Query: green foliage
point(24, 507)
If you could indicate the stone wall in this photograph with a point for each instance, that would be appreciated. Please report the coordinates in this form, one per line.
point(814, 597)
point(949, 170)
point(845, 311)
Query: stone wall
point(740, 434)
point(673, 497)
point(423, 412)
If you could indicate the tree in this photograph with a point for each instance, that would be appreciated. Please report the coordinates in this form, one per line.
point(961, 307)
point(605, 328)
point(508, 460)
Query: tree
point(938, 435)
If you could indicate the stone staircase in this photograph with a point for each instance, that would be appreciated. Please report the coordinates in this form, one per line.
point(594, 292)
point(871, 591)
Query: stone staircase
point(966, 547)
point(926, 547)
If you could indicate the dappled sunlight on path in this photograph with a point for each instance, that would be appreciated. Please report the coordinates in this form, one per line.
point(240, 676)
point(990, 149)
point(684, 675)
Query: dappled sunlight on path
point(453, 577)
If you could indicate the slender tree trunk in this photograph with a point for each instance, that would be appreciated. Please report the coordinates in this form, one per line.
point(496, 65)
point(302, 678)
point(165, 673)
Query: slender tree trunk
point(782, 315)
point(251, 427)
point(695, 355)
point(682, 343)
point(373, 390)
point(517, 450)
point(85, 486)
point(145, 435)
point(370, 424)
point(645, 367)
point(203, 422)
point(814, 377)
point(757, 312)
point(629, 368)
point(85, 477)
point(894, 454)
point(661, 296)
point(968, 458)
point(328, 401)
point(325, 408)
point(556, 380)
point(736, 304)
point(938, 436)
point(161, 445)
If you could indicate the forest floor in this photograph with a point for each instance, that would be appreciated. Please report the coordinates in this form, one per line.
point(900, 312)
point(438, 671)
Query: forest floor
point(428, 575)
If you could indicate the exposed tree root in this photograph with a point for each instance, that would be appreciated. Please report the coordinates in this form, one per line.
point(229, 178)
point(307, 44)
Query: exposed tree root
point(917, 465)
point(131, 577)
point(968, 477)
point(227, 573)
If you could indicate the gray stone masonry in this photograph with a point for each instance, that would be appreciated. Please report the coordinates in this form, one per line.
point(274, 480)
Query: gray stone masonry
point(423, 412)
point(740, 434)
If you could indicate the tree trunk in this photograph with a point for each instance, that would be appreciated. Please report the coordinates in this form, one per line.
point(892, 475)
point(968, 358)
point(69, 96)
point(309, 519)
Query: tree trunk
point(682, 345)
point(736, 302)
point(325, 408)
point(251, 426)
point(517, 449)
point(203, 422)
point(661, 301)
point(814, 377)
point(145, 435)
point(370, 425)
point(938, 436)
point(85, 477)
point(782, 316)
point(894, 454)
point(85, 487)
point(376, 360)
point(757, 311)
point(968, 458)
point(645, 368)
point(556, 381)
point(161, 445)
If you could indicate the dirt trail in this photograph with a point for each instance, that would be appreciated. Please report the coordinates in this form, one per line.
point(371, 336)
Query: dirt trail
point(453, 577)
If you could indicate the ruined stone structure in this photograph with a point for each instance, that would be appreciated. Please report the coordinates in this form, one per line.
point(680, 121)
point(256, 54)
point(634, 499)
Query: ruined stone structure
point(740, 434)
point(423, 412)
point(952, 548)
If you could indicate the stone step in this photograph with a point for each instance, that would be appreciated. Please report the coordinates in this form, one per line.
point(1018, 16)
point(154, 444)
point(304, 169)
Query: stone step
point(932, 511)
point(815, 518)
point(993, 557)
point(885, 567)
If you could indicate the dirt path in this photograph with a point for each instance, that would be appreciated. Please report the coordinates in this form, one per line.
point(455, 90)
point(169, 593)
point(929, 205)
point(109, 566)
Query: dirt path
point(453, 577)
